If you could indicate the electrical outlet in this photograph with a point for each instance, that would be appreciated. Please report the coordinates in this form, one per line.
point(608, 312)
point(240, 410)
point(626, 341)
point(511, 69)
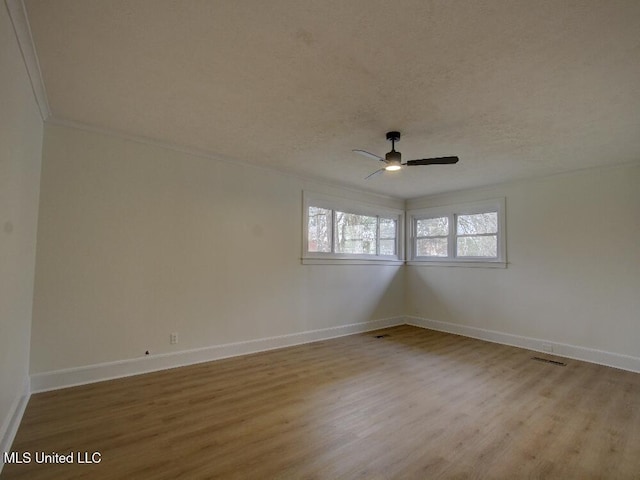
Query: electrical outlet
point(173, 338)
point(547, 347)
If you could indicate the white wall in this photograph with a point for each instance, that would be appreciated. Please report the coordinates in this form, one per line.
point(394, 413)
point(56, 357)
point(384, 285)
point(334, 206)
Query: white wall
point(20, 153)
point(573, 246)
point(137, 241)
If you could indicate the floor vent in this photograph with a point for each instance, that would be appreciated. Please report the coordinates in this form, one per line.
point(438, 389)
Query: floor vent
point(555, 362)
point(382, 336)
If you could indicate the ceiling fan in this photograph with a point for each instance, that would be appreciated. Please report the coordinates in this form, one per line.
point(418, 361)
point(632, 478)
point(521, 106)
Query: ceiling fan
point(393, 159)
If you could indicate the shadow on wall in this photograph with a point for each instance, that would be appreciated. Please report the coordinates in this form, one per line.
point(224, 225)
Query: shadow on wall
point(422, 298)
point(337, 295)
point(390, 303)
point(480, 297)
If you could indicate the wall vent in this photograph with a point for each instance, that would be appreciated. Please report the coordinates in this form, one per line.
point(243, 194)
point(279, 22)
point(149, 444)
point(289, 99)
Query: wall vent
point(546, 360)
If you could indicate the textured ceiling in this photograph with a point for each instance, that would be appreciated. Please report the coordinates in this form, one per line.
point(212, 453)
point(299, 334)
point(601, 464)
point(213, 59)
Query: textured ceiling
point(516, 89)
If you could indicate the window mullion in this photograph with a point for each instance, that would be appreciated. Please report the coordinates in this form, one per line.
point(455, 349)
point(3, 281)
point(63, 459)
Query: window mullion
point(377, 234)
point(433, 236)
point(414, 237)
point(453, 228)
point(477, 235)
point(333, 231)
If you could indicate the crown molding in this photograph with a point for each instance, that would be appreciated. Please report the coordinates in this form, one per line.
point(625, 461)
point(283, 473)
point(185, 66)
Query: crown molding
point(22, 29)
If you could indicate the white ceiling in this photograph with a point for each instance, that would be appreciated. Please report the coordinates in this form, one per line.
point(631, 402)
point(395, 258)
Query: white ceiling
point(516, 89)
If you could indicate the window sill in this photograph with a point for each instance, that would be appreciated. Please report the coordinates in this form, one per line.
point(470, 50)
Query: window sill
point(350, 261)
point(468, 264)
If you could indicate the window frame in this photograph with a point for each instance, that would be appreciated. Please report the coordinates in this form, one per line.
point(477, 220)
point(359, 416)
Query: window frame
point(355, 207)
point(452, 212)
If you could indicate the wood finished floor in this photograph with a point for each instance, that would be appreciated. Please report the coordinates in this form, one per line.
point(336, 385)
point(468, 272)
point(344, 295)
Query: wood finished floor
point(417, 404)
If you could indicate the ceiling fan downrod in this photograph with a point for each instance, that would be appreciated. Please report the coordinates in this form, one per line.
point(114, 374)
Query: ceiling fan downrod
point(393, 158)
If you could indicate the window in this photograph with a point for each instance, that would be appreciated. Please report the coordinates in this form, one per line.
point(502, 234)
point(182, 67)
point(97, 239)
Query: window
point(477, 235)
point(432, 236)
point(469, 234)
point(342, 231)
point(319, 231)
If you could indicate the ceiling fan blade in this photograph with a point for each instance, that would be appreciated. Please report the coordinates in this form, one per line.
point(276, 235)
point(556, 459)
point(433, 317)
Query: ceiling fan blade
point(368, 154)
point(374, 173)
point(434, 161)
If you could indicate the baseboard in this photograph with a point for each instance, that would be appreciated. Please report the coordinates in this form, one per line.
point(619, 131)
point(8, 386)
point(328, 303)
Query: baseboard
point(41, 382)
point(600, 357)
point(70, 377)
point(12, 420)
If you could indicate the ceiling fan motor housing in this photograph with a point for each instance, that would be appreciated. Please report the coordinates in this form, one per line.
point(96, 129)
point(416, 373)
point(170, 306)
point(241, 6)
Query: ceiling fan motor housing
point(393, 157)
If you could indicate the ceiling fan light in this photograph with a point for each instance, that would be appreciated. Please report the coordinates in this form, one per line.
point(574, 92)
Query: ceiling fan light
point(392, 168)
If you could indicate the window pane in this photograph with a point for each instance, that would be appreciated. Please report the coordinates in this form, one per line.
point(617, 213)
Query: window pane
point(388, 231)
point(478, 223)
point(387, 228)
point(388, 246)
point(319, 230)
point(432, 227)
point(431, 247)
point(486, 246)
point(355, 233)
